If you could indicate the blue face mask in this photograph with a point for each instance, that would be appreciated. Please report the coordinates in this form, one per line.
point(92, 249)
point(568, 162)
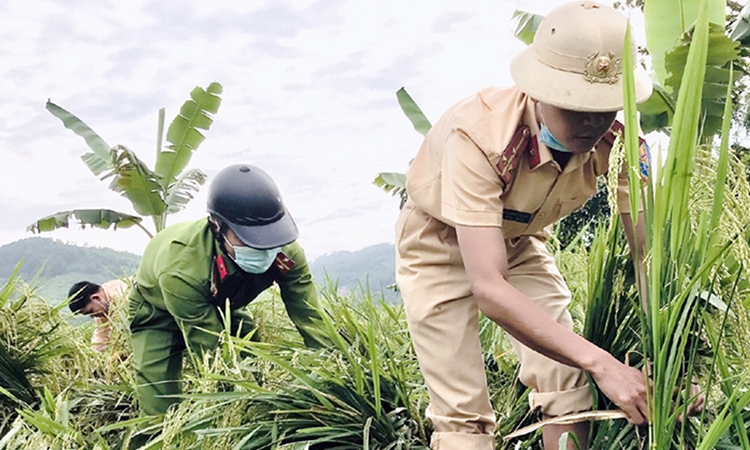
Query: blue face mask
point(545, 136)
point(253, 260)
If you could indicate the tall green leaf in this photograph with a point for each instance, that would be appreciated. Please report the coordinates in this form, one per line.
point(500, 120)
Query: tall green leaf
point(15, 386)
point(101, 158)
point(631, 128)
point(679, 266)
point(413, 112)
point(721, 172)
point(184, 135)
point(678, 170)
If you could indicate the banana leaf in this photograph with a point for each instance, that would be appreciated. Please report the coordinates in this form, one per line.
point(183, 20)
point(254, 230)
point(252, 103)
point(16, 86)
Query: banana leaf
point(101, 159)
point(667, 20)
point(657, 112)
point(526, 26)
point(181, 192)
point(184, 135)
point(137, 183)
point(740, 30)
point(95, 218)
point(391, 182)
point(413, 112)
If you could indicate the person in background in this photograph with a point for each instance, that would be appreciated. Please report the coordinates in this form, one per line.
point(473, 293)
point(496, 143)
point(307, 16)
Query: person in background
point(94, 300)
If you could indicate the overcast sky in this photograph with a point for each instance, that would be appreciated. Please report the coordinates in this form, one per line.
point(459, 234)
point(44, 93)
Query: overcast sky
point(309, 96)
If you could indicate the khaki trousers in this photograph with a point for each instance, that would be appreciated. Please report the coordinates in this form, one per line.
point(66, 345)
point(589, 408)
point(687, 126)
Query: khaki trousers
point(443, 321)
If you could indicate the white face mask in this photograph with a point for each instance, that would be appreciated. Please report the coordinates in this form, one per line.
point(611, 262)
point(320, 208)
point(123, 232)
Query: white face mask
point(253, 260)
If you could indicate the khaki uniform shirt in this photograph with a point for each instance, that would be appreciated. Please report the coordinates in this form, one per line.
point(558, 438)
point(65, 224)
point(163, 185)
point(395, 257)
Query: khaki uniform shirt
point(463, 174)
point(114, 290)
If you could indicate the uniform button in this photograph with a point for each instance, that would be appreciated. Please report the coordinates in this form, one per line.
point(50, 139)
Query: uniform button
point(541, 215)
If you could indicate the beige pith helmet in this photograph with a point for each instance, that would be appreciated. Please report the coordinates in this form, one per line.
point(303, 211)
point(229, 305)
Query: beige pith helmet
point(575, 60)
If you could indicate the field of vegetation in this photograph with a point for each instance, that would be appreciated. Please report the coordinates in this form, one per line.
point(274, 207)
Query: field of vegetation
point(365, 391)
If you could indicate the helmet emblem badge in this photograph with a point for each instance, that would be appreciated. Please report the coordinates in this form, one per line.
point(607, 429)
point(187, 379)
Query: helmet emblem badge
point(602, 69)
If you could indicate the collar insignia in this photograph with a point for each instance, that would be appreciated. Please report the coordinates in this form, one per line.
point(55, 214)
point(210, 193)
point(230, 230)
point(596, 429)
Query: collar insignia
point(283, 263)
point(222, 268)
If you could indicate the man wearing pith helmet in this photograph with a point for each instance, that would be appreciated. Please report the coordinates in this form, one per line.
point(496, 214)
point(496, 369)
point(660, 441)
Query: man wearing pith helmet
point(191, 271)
point(492, 175)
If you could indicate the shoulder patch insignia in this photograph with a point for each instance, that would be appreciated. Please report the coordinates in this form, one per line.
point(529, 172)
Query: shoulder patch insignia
point(283, 263)
point(512, 154)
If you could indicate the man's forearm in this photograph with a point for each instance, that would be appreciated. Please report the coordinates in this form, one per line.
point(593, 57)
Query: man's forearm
point(532, 326)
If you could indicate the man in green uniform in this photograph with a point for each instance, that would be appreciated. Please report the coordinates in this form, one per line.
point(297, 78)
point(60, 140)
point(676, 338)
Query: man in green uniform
point(190, 271)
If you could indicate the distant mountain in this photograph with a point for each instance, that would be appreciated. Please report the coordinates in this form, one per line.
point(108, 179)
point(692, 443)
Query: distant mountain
point(58, 265)
point(372, 266)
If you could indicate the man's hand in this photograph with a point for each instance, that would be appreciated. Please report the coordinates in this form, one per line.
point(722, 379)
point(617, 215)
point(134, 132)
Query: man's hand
point(697, 401)
point(625, 386)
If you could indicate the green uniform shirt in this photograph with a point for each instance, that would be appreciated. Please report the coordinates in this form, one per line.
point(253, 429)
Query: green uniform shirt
point(185, 276)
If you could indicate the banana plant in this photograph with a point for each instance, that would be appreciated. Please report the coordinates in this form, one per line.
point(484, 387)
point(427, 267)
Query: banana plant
point(395, 182)
point(153, 193)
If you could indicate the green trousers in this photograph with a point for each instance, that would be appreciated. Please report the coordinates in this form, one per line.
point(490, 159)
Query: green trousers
point(158, 348)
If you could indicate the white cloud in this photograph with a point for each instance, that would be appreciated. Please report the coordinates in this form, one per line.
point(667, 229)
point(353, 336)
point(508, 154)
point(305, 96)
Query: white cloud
point(309, 95)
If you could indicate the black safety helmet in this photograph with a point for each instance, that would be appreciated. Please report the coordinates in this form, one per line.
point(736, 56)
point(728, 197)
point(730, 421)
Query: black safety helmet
point(247, 200)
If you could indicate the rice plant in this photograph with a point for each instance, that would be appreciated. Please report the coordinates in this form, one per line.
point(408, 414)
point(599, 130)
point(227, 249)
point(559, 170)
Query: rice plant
point(364, 391)
point(679, 339)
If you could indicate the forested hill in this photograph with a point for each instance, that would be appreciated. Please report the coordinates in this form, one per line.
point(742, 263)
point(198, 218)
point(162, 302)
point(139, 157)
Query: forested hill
point(60, 265)
point(372, 266)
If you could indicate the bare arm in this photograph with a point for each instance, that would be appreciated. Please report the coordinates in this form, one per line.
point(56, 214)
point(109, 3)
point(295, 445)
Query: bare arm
point(485, 259)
